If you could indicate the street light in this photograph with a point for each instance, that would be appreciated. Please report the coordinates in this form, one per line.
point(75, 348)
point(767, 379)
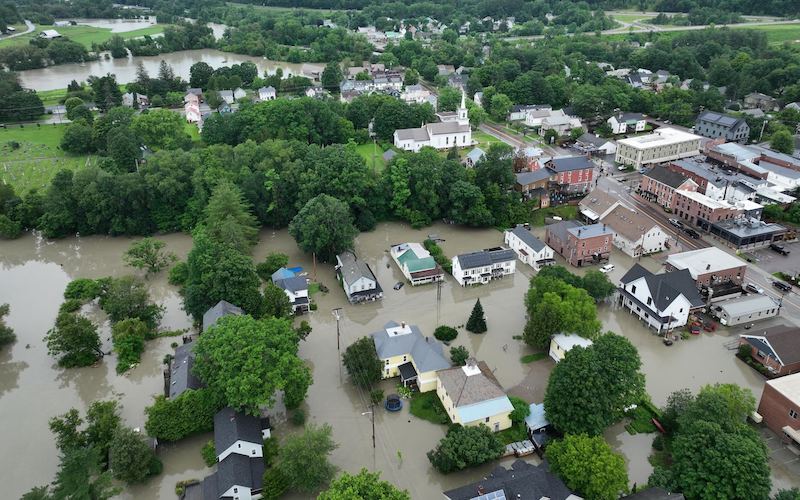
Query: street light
point(371, 413)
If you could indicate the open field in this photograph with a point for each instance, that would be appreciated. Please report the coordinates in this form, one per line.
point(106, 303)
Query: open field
point(85, 35)
point(367, 150)
point(52, 97)
point(37, 158)
point(631, 17)
point(778, 33)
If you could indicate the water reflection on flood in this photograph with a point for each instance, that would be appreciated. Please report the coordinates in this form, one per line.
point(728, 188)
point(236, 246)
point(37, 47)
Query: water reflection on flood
point(34, 272)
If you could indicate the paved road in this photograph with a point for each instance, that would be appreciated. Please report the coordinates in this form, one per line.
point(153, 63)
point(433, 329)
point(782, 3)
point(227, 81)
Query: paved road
point(30, 26)
point(657, 29)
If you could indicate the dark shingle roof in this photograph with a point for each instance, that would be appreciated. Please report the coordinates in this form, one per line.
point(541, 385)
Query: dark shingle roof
point(231, 426)
point(570, 163)
point(485, 257)
point(525, 178)
point(665, 287)
point(239, 470)
point(528, 238)
point(352, 269)
point(181, 376)
point(294, 284)
point(666, 176)
point(223, 308)
point(523, 481)
point(781, 342)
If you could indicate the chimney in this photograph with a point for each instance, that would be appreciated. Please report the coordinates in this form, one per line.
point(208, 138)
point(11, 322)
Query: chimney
point(402, 324)
point(708, 267)
point(481, 490)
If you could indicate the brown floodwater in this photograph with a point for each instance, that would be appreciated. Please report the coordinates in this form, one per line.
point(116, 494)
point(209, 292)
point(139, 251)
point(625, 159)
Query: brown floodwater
point(59, 76)
point(34, 272)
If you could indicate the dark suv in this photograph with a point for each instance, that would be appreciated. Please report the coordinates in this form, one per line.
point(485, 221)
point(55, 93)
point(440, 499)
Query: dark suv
point(692, 233)
point(783, 287)
point(779, 248)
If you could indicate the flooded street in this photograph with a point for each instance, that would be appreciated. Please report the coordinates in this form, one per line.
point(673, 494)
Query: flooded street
point(59, 76)
point(33, 275)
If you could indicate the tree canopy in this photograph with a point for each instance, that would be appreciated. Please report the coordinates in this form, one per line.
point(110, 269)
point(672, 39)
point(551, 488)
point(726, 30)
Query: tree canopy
point(362, 362)
point(464, 447)
point(365, 484)
point(589, 466)
point(324, 226)
point(303, 458)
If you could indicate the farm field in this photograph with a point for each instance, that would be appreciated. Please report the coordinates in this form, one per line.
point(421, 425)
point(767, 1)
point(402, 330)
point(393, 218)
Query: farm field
point(31, 156)
point(85, 35)
point(778, 33)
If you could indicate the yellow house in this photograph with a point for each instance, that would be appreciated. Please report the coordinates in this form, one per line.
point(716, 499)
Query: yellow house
point(405, 352)
point(471, 395)
point(561, 344)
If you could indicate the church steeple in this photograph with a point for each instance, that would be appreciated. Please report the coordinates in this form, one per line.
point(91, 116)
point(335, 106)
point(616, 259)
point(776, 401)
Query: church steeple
point(463, 117)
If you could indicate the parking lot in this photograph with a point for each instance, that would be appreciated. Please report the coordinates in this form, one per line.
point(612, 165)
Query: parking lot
point(772, 262)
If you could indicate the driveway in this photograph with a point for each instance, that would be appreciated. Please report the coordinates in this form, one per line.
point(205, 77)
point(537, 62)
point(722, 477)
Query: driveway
point(30, 26)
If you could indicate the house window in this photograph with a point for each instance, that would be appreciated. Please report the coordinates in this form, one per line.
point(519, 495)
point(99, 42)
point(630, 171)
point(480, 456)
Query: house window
point(793, 414)
point(649, 301)
point(404, 358)
point(387, 361)
point(487, 418)
point(633, 288)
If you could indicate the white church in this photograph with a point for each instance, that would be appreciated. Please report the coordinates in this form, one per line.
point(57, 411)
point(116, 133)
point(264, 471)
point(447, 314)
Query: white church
point(453, 130)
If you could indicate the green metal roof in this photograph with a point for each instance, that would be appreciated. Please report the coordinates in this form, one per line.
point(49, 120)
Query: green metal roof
point(414, 264)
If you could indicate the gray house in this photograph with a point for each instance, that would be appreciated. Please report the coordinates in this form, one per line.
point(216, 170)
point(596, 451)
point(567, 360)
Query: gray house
point(180, 377)
point(223, 308)
point(358, 280)
point(714, 125)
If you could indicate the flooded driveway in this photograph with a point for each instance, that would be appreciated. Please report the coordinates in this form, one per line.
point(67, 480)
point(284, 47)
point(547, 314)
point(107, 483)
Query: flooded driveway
point(33, 274)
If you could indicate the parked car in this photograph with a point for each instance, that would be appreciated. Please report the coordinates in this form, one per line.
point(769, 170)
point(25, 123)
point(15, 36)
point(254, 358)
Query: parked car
point(398, 285)
point(779, 248)
point(676, 223)
point(783, 287)
point(753, 288)
point(692, 233)
point(607, 268)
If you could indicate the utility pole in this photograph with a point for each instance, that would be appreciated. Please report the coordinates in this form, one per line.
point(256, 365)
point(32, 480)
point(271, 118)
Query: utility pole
point(438, 299)
point(336, 315)
point(371, 413)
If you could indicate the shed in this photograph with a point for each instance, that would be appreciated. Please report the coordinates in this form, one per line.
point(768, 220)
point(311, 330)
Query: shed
point(536, 420)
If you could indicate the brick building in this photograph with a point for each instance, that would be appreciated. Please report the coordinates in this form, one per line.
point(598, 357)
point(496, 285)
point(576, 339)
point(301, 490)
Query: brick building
point(709, 266)
point(700, 210)
point(777, 348)
point(580, 245)
point(659, 185)
point(780, 407)
point(572, 173)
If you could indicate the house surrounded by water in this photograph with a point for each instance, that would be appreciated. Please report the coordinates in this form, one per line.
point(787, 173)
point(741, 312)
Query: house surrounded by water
point(406, 353)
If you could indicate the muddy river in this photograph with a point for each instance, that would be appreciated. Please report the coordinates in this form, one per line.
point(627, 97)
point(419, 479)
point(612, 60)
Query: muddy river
point(34, 272)
point(59, 76)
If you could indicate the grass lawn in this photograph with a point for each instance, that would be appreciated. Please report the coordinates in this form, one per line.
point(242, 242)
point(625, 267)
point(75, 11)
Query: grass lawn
point(632, 17)
point(38, 157)
point(193, 131)
point(85, 35)
point(366, 151)
point(426, 405)
point(778, 33)
point(513, 434)
point(484, 140)
point(566, 212)
point(51, 97)
point(641, 419)
point(530, 358)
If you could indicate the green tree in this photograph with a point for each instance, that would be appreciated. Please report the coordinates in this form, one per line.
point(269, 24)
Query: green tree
point(555, 306)
point(77, 138)
point(521, 410)
point(324, 226)
point(6, 332)
point(365, 484)
point(303, 458)
point(130, 459)
point(501, 105)
point(449, 99)
point(80, 113)
point(128, 297)
point(477, 115)
point(589, 466)
point(248, 360)
point(128, 337)
point(276, 302)
point(71, 103)
point(228, 219)
point(122, 146)
point(477, 322)
point(272, 263)
point(149, 254)
point(790, 494)
point(459, 355)
point(464, 447)
point(597, 285)
point(445, 333)
point(191, 412)
point(216, 271)
point(331, 76)
point(362, 362)
point(782, 141)
point(588, 390)
point(161, 129)
point(80, 475)
point(199, 73)
point(74, 340)
point(410, 78)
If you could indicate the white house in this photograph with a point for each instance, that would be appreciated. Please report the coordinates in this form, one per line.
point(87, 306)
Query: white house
point(560, 123)
point(562, 343)
point(661, 301)
point(358, 280)
point(416, 93)
point(227, 96)
point(634, 233)
point(535, 114)
point(295, 287)
point(627, 123)
point(479, 268)
point(192, 113)
point(440, 135)
point(529, 249)
point(239, 93)
point(267, 93)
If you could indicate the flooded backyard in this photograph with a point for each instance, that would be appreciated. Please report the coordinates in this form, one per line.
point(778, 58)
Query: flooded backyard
point(59, 76)
point(34, 272)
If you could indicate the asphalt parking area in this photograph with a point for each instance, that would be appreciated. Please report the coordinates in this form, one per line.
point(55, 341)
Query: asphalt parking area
point(771, 261)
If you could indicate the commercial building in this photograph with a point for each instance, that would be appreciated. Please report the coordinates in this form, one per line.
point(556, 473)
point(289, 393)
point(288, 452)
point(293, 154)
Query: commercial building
point(597, 204)
point(709, 266)
point(663, 145)
point(406, 353)
point(776, 348)
point(714, 125)
point(700, 210)
point(572, 173)
point(662, 301)
point(780, 407)
point(747, 233)
point(471, 396)
point(659, 185)
point(746, 309)
point(580, 245)
point(479, 268)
